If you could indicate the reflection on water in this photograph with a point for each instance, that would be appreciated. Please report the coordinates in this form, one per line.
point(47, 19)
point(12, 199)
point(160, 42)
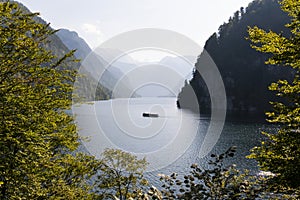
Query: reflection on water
point(243, 135)
point(119, 123)
point(170, 142)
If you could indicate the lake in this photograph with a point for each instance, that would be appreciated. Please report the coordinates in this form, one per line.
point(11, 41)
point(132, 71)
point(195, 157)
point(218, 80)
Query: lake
point(170, 142)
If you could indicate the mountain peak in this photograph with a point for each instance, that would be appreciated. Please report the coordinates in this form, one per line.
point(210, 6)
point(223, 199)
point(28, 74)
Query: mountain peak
point(73, 41)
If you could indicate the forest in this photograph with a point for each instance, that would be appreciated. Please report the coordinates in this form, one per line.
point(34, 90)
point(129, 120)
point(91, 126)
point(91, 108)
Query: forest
point(243, 69)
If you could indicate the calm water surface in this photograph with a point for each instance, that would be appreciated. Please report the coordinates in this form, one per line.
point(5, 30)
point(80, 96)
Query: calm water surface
point(171, 142)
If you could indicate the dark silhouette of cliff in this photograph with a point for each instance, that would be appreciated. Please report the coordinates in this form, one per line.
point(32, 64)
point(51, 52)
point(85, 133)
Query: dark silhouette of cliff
point(244, 72)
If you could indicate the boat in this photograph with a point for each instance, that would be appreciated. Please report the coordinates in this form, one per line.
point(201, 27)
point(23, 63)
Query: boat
point(150, 115)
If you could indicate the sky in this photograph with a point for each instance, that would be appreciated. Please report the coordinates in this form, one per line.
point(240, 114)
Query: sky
point(99, 20)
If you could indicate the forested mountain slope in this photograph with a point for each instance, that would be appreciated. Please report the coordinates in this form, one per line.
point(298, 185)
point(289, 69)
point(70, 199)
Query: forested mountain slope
point(243, 70)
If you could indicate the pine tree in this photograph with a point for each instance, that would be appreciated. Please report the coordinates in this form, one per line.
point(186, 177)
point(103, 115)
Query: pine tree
point(280, 153)
point(37, 135)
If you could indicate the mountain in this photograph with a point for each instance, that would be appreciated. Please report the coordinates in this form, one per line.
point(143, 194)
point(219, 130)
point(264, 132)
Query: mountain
point(245, 75)
point(109, 75)
point(181, 66)
point(72, 40)
point(120, 72)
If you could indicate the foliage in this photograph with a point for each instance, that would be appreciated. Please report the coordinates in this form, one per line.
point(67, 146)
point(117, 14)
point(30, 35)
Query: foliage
point(216, 182)
point(37, 135)
point(280, 153)
point(120, 175)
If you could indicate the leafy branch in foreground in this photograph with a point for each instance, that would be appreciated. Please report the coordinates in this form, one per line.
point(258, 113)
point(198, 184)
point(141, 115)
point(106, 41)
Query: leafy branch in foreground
point(280, 153)
point(216, 182)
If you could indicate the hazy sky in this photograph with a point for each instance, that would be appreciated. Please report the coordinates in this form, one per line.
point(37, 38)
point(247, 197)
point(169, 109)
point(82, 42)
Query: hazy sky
point(99, 20)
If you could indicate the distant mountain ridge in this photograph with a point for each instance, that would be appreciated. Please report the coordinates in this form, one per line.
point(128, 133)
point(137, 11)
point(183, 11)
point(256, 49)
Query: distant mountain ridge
point(72, 40)
point(106, 74)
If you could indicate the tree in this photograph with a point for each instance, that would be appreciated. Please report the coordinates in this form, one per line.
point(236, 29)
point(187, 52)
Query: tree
point(121, 175)
point(37, 135)
point(280, 153)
